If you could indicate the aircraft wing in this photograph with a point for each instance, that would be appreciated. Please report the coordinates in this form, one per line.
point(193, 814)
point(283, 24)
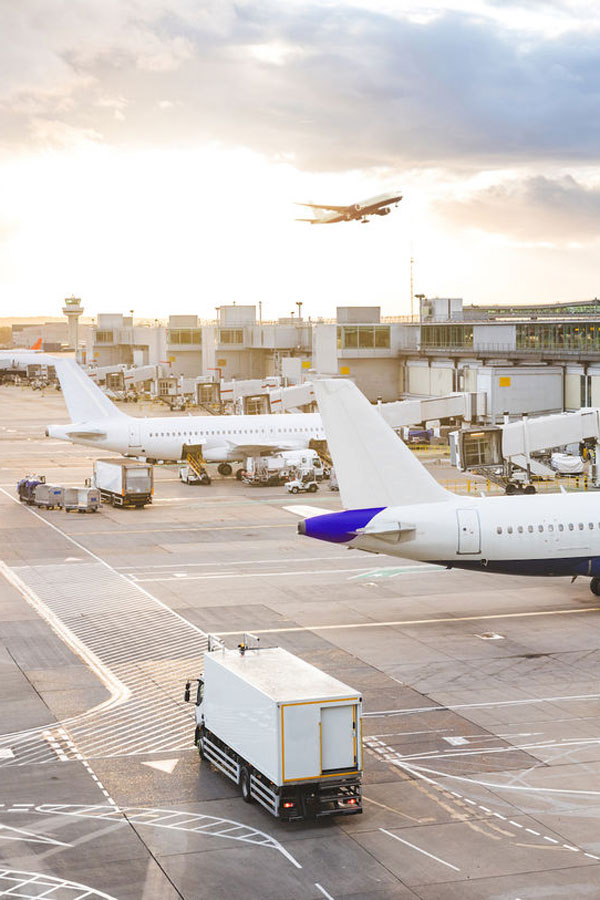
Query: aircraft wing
point(338, 209)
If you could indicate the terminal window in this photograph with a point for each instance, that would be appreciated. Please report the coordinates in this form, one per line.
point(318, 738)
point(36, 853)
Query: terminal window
point(184, 336)
point(231, 336)
point(363, 337)
point(104, 337)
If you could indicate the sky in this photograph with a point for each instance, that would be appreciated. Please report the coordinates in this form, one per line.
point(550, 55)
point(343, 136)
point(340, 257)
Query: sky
point(152, 152)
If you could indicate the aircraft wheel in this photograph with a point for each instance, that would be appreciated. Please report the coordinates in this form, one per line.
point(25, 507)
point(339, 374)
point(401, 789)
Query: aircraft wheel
point(245, 785)
point(224, 469)
point(239, 474)
point(595, 586)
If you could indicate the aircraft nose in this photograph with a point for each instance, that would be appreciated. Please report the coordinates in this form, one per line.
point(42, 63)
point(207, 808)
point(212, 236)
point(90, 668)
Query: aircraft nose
point(302, 527)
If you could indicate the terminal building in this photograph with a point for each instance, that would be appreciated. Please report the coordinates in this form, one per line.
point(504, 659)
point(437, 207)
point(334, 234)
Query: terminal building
point(527, 359)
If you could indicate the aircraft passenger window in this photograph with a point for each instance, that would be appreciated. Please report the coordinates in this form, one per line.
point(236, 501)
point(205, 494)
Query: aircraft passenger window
point(540, 528)
point(571, 526)
point(520, 529)
point(530, 528)
point(590, 525)
point(550, 527)
point(499, 529)
point(581, 526)
point(509, 529)
point(561, 527)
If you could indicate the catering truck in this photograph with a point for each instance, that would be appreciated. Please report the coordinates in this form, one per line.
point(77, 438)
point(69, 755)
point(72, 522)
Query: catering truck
point(123, 482)
point(288, 734)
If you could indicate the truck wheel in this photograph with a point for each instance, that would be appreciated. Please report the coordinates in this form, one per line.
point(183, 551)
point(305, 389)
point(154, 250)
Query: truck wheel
point(294, 490)
point(245, 785)
point(312, 488)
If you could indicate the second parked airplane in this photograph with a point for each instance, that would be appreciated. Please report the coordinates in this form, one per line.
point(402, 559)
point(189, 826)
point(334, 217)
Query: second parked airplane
point(97, 422)
point(395, 506)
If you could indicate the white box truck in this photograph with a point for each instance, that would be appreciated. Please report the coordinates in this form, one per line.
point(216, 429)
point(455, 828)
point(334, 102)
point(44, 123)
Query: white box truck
point(288, 734)
point(124, 482)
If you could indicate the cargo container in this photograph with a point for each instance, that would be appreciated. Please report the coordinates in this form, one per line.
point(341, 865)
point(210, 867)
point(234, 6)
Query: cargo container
point(124, 482)
point(48, 496)
point(82, 499)
point(288, 734)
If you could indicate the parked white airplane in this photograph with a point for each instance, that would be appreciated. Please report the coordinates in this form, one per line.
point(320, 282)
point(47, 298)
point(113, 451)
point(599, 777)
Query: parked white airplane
point(394, 506)
point(97, 422)
point(375, 206)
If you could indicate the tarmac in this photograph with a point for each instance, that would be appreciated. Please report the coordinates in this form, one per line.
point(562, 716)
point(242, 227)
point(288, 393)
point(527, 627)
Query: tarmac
point(481, 701)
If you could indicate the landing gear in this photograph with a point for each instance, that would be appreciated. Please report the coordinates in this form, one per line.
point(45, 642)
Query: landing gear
point(240, 474)
point(245, 785)
point(595, 586)
point(224, 469)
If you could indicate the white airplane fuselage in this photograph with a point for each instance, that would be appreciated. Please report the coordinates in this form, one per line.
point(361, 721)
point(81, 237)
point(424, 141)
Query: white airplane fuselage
point(551, 534)
point(223, 438)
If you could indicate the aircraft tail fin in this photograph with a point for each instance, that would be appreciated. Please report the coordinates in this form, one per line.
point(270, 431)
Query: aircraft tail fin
point(85, 401)
point(37, 345)
point(374, 467)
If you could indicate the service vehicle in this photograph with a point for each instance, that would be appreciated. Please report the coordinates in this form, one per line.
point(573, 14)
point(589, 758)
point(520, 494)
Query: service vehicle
point(190, 475)
point(124, 482)
point(288, 734)
point(83, 499)
point(26, 488)
point(302, 481)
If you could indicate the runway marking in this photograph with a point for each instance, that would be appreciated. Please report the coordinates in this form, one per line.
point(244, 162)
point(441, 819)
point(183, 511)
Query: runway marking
point(170, 819)
point(445, 620)
point(323, 891)
point(420, 850)
point(14, 882)
point(379, 748)
point(213, 576)
point(238, 562)
point(424, 709)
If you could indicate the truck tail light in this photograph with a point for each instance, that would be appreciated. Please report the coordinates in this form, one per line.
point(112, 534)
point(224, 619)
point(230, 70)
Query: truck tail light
point(288, 804)
point(352, 801)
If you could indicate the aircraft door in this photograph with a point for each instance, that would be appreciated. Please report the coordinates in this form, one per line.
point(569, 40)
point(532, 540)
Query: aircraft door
point(135, 436)
point(469, 532)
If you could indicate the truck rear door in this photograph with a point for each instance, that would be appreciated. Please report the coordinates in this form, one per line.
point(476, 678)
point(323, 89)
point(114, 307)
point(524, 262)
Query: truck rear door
point(338, 737)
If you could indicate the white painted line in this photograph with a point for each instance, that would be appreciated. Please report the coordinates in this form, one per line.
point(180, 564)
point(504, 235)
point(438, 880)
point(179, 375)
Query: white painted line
point(420, 850)
point(6, 753)
point(212, 576)
point(323, 891)
point(424, 709)
point(447, 620)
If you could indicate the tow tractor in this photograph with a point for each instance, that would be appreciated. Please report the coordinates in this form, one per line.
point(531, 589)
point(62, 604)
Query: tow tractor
point(303, 481)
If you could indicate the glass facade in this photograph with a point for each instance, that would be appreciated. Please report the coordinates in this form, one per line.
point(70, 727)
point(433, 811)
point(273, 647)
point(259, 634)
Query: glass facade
point(231, 335)
point(363, 337)
point(104, 337)
point(558, 336)
point(184, 336)
point(441, 336)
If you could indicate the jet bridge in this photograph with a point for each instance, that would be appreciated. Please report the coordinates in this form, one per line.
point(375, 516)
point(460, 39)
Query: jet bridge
point(513, 444)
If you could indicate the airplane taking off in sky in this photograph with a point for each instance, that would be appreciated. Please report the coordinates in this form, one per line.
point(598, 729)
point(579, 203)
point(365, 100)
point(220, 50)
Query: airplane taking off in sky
point(97, 422)
point(393, 505)
point(375, 206)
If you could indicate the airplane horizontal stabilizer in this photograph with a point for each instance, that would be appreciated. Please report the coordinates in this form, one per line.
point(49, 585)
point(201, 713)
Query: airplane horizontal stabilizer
point(85, 401)
point(373, 466)
point(305, 512)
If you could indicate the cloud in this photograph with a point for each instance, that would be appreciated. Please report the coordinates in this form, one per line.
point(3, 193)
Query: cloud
point(328, 86)
point(536, 209)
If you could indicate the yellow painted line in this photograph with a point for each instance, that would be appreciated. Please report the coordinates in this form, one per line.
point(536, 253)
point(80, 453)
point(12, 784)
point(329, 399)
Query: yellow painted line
point(446, 621)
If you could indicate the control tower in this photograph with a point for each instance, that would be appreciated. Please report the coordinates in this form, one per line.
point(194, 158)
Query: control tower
point(72, 310)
